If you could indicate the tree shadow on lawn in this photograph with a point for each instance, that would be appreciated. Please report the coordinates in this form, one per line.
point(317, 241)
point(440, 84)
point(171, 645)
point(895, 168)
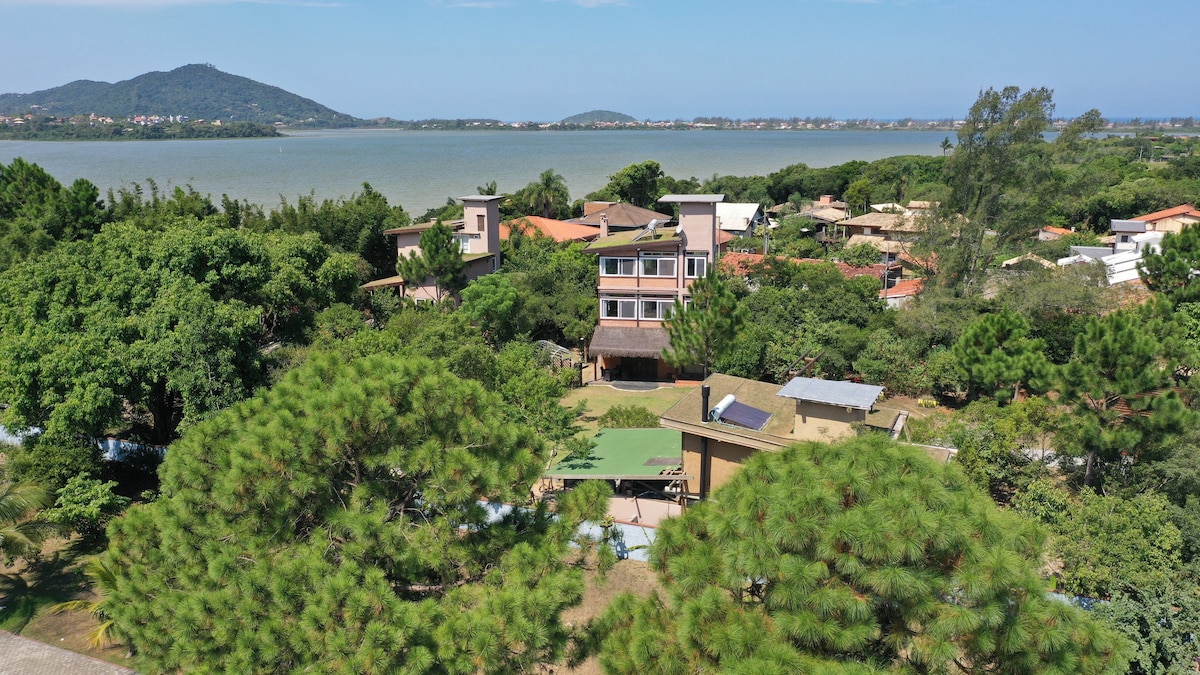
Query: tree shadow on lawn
point(29, 589)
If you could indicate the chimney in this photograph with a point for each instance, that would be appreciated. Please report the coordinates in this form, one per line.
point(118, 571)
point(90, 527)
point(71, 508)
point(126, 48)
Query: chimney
point(826, 199)
point(705, 390)
point(603, 224)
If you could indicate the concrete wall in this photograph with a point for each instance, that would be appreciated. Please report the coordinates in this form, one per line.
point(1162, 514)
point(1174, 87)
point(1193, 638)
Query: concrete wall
point(724, 460)
point(481, 215)
point(699, 221)
point(408, 242)
point(819, 422)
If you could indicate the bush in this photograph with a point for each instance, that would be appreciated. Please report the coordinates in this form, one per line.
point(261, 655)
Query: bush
point(86, 505)
point(628, 417)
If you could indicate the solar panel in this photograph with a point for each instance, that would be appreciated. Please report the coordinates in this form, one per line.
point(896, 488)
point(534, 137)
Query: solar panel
point(746, 416)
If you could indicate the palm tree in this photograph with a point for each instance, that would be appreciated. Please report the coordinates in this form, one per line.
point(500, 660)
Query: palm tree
point(547, 193)
point(946, 146)
point(20, 533)
point(103, 579)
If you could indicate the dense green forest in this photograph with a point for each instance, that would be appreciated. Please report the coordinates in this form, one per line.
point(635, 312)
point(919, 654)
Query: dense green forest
point(318, 504)
point(54, 129)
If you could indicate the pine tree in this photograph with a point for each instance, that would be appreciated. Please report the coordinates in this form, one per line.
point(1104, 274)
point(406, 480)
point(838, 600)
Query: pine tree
point(706, 326)
point(1172, 270)
point(332, 523)
point(1120, 383)
point(996, 357)
point(860, 557)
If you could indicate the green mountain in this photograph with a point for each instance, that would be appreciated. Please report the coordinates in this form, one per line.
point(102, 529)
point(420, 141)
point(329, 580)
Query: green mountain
point(197, 91)
point(598, 117)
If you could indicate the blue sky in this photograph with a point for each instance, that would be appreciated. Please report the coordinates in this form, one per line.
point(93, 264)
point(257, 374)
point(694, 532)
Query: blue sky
point(656, 59)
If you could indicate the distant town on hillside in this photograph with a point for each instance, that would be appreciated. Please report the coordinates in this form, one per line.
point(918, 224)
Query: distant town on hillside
point(200, 95)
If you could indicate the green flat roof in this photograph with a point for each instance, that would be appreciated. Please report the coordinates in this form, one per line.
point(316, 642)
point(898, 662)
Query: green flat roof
point(662, 235)
point(626, 454)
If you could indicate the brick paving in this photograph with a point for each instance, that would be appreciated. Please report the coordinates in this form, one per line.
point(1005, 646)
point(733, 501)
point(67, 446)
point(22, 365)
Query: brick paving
point(22, 656)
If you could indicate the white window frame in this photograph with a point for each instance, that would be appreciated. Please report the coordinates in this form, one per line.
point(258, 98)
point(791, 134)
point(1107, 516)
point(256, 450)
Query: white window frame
point(652, 265)
point(627, 308)
point(620, 262)
point(464, 243)
point(664, 307)
point(692, 261)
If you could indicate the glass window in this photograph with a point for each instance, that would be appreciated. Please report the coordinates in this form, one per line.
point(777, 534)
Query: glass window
point(658, 266)
point(657, 308)
point(618, 267)
point(618, 308)
point(696, 266)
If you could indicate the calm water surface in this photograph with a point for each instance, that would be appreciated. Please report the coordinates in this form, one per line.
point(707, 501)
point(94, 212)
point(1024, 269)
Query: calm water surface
point(420, 169)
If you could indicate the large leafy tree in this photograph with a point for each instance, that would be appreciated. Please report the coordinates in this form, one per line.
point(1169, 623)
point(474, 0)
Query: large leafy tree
point(334, 523)
point(864, 556)
point(353, 225)
point(152, 329)
point(706, 326)
point(997, 357)
point(37, 212)
point(1120, 383)
point(638, 184)
point(1000, 155)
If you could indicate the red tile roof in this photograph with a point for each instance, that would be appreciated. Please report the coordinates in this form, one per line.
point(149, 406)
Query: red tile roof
point(555, 229)
point(1181, 210)
point(740, 264)
point(903, 289)
point(1060, 231)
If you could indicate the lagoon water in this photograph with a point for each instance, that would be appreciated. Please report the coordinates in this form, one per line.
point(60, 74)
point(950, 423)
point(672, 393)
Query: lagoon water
point(420, 169)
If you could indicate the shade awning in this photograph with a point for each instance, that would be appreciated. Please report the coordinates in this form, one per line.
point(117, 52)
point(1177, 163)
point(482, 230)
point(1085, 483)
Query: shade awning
point(632, 342)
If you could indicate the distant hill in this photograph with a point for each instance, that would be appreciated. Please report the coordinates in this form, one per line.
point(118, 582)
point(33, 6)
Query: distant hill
point(198, 91)
point(598, 117)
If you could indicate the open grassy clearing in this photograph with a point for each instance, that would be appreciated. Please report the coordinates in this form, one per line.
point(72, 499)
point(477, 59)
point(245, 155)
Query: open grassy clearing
point(601, 398)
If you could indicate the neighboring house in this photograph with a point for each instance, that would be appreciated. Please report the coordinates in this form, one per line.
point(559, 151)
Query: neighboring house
point(617, 216)
point(558, 230)
point(919, 208)
point(892, 226)
point(1051, 233)
point(740, 219)
point(730, 418)
point(478, 237)
point(888, 207)
point(1124, 231)
point(1172, 219)
point(1121, 266)
point(900, 293)
point(1026, 260)
point(741, 264)
point(641, 274)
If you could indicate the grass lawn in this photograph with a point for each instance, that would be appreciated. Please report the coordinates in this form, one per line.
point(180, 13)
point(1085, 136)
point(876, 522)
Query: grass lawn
point(628, 575)
point(600, 398)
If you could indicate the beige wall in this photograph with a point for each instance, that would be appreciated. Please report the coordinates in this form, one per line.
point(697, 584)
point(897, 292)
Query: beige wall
point(481, 215)
point(724, 460)
point(1174, 225)
point(818, 422)
point(633, 284)
point(699, 221)
point(408, 242)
